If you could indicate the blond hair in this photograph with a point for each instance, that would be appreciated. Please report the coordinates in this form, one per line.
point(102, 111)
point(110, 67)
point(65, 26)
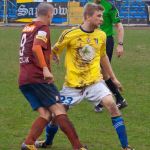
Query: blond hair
point(90, 8)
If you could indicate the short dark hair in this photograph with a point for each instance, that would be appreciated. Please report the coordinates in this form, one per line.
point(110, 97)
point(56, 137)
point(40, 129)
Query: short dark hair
point(90, 8)
point(44, 8)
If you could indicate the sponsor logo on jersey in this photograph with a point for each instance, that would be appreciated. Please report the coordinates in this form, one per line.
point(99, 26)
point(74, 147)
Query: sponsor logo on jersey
point(87, 53)
point(29, 28)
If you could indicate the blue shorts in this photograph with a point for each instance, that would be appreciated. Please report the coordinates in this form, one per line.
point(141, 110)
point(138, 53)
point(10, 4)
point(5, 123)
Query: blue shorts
point(41, 94)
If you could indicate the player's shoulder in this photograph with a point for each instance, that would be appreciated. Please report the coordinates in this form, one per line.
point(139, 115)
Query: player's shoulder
point(70, 31)
point(30, 27)
point(100, 32)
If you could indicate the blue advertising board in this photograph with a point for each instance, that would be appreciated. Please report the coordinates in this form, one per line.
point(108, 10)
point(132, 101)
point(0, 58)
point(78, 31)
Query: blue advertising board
point(28, 10)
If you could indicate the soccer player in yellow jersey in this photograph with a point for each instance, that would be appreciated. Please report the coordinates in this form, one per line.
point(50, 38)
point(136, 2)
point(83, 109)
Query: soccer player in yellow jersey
point(86, 50)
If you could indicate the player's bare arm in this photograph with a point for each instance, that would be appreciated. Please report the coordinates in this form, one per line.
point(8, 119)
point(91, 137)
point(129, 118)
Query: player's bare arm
point(120, 36)
point(55, 57)
point(108, 69)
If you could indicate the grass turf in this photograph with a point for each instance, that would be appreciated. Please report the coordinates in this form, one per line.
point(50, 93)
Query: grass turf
point(94, 129)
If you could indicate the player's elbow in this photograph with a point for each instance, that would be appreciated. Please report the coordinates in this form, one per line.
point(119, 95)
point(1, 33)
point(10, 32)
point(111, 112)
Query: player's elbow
point(119, 26)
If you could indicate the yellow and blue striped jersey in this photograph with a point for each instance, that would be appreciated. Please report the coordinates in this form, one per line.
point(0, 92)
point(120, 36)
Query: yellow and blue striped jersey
point(83, 54)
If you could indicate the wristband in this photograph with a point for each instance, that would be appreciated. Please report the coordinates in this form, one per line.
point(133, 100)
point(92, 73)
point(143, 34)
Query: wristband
point(120, 43)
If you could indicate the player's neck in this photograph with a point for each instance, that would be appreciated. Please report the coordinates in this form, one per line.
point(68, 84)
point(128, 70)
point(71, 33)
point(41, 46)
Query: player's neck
point(87, 27)
point(41, 19)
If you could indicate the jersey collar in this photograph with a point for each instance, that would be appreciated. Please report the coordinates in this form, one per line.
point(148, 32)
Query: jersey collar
point(86, 31)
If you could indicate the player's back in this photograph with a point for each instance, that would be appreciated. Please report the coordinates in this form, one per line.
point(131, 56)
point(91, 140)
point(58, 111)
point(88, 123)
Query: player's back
point(35, 33)
point(27, 39)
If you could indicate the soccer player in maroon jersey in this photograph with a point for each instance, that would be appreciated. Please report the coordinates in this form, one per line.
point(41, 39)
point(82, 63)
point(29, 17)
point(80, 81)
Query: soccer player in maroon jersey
point(36, 79)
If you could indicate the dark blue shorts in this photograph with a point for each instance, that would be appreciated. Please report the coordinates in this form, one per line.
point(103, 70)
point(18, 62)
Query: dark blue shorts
point(109, 47)
point(41, 94)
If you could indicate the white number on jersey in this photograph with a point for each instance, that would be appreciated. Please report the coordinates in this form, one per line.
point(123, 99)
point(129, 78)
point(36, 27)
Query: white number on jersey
point(23, 41)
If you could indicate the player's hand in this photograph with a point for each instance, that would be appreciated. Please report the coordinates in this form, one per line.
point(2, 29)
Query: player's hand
point(119, 50)
point(55, 58)
point(47, 74)
point(117, 84)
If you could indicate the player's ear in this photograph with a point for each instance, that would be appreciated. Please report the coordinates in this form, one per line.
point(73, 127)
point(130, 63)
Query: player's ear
point(50, 14)
point(89, 17)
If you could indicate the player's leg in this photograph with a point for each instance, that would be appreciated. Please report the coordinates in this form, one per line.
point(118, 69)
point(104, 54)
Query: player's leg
point(40, 123)
point(62, 119)
point(50, 131)
point(110, 47)
point(119, 98)
point(120, 101)
point(99, 93)
point(117, 120)
point(68, 99)
point(65, 125)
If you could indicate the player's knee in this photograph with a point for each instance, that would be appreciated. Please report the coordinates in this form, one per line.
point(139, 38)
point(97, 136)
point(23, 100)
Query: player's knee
point(66, 107)
point(113, 109)
point(57, 109)
point(44, 113)
point(47, 116)
point(111, 106)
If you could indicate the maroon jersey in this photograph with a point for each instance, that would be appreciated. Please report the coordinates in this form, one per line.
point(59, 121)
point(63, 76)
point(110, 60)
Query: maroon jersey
point(35, 33)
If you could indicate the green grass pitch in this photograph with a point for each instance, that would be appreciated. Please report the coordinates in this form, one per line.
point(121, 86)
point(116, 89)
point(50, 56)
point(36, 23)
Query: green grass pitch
point(94, 129)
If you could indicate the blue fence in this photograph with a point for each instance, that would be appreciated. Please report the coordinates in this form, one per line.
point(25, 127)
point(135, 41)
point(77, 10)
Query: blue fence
point(11, 9)
point(133, 9)
point(1, 9)
point(129, 9)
